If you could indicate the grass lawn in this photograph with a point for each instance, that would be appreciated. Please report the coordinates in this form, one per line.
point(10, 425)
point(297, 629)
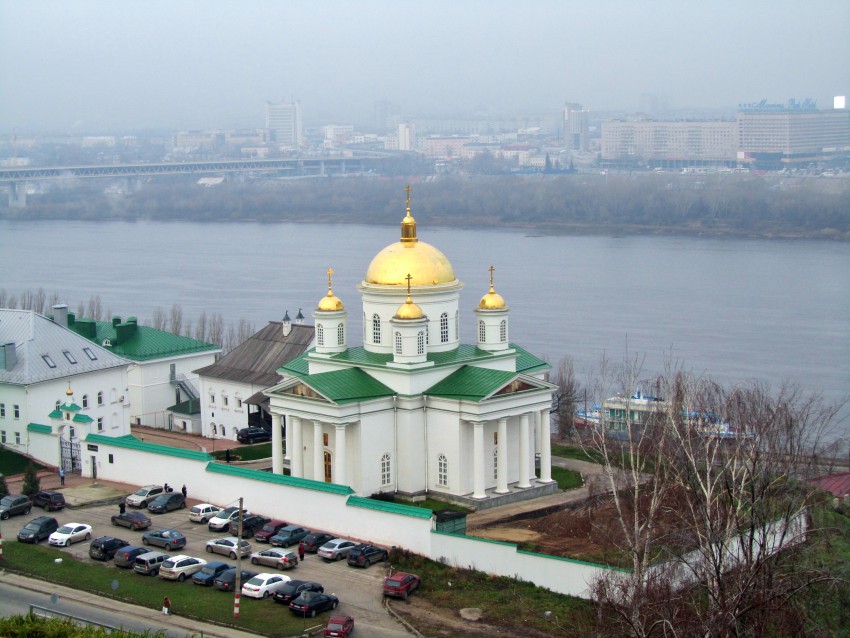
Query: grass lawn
point(568, 452)
point(12, 463)
point(260, 616)
point(247, 453)
point(567, 479)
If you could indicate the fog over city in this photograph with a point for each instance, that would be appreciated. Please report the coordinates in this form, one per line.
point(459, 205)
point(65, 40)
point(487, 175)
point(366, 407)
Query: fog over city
point(102, 66)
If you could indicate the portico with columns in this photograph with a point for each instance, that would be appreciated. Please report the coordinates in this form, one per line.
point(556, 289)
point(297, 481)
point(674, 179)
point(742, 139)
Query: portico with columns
point(415, 411)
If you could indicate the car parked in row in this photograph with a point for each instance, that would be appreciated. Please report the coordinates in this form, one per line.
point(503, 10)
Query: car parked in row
point(310, 603)
point(149, 563)
point(339, 626)
point(363, 555)
point(293, 588)
point(401, 585)
point(268, 530)
point(209, 572)
point(180, 567)
point(277, 558)
point(264, 585)
point(221, 521)
point(289, 535)
point(250, 524)
point(167, 503)
point(14, 504)
point(203, 512)
point(167, 538)
point(336, 549)
point(314, 540)
point(228, 546)
point(142, 496)
point(133, 519)
point(127, 555)
point(70, 533)
point(253, 435)
point(226, 581)
point(38, 529)
point(105, 547)
point(49, 500)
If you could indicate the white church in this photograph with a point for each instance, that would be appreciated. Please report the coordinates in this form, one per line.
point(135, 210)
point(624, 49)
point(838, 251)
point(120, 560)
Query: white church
point(413, 410)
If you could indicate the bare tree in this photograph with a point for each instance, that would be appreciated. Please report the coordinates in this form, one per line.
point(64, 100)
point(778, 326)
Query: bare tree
point(95, 308)
point(81, 310)
point(216, 329)
point(201, 327)
point(27, 298)
point(39, 300)
point(158, 319)
point(566, 398)
point(3, 298)
point(176, 323)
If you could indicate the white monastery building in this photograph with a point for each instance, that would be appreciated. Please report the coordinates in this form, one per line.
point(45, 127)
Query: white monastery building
point(414, 411)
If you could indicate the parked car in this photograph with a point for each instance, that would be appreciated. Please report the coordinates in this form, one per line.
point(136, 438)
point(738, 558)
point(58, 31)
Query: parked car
point(203, 512)
point(49, 500)
point(293, 588)
point(167, 538)
point(142, 496)
point(38, 529)
point(268, 530)
point(401, 585)
point(149, 563)
point(180, 567)
point(227, 580)
point(134, 520)
point(364, 555)
point(310, 603)
point(253, 435)
point(105, 547)
point(209, 573)
point(14, 504)
point(336, 549)
point(250, 524)
point(167, 502)
point(221, 521)
point(228, 546)
point(127, 555)
point(313, 541)
point(339, 626)
point(289, 535)
point(70, 533)
point(278, 558)
point(264, 585)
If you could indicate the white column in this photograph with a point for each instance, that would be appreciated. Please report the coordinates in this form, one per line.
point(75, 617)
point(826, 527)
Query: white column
point(339, 456)
point(318, 452)
point(277, 445)
point(289, 441)
point(502, 458)
point(478, 461)
point(523, 451)
point(545, 447)
point(296, 457)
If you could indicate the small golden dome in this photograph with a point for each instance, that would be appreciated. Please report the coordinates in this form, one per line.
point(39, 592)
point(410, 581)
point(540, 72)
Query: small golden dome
point(492, 300)
point(409, 310)
point(330, 302)
point(69, 392)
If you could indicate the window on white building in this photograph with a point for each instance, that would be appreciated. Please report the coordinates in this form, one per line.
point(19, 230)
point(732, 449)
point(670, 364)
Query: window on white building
point(376, 329)
point(385, 470)
point(3, 437)
point(212, 398)
point(2, 410)
point(482, 331)
point(398, 343)
point(496, 463)
point(320, 335)
point(503, 331)
point(444, 327)
point(58, 404)
point(85, 400)
point(213, 429)
point(340, 334)
point(420, 343)
point(100, 398)
point(17, 438)
point(100, 424)
point(442, 470)
point(16, 411)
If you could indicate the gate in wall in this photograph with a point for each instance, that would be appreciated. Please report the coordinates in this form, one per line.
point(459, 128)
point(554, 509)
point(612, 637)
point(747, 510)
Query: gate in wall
point(71, 460)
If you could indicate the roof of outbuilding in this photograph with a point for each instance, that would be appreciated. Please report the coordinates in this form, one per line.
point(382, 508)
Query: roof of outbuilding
point(257, 359)
point(836, 484)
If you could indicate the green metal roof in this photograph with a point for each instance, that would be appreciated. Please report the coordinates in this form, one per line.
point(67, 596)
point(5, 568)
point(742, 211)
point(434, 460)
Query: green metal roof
point(143, 343)
point(471, 383)
point(70, 407)
point(280, 479)
point(132, 443)
point(298, 366)
point(390, 508)
point(38, 427)
point(82, 418)
point(527, 362)
point(56, 414)
point(192, 406)
point(346, 386)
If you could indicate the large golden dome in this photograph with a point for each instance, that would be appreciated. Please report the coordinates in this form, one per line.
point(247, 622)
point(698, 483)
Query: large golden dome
point(426, 265)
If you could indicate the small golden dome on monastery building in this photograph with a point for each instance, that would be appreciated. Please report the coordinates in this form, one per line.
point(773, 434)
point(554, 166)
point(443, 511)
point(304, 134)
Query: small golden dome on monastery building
point(330, 302)
point(492, 300)
point(409, 310)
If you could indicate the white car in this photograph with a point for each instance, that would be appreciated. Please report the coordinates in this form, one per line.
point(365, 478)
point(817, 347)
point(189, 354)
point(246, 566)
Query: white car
point(227, 546)
point(264, 585)
point(221, 521)
point(337, 549)
point(144, 495)
point(180, 567)
point(70, 533)
point(203, 512)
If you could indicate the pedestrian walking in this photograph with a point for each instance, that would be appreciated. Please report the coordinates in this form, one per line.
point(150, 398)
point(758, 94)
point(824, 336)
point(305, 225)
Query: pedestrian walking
point(122, 507)
point(227, 455)
point(166, 606)
point(61, 476)
point(301, 550)
point(166, 488)
point(184, 490)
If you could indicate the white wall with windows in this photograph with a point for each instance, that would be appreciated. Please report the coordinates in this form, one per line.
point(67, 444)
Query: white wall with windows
point(223, 408)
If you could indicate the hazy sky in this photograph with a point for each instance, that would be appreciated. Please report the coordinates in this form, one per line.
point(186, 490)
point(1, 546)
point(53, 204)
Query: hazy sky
point(104, 65)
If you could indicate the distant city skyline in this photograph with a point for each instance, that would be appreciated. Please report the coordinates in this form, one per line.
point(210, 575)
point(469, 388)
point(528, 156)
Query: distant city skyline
point(95, 65)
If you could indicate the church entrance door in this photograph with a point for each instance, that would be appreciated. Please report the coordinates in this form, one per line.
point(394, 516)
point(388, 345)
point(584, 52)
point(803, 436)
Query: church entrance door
point(328, 465)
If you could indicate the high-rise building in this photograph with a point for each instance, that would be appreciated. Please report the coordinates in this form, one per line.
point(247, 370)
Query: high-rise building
point(406, 137)
point(664, 142)
point(576, 127)
point(283, 120)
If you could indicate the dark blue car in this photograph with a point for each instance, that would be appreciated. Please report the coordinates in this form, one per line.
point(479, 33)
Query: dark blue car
point(209, 573)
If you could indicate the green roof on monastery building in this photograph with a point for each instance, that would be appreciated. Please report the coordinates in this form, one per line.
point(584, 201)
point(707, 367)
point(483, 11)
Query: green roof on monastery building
point(280, 479)
point(40, 428)
point(471, 383)
point(386, 506)
point(346, 386)
point(130, 442)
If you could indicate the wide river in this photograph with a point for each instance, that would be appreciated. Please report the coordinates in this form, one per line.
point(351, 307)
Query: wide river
point(733, 309)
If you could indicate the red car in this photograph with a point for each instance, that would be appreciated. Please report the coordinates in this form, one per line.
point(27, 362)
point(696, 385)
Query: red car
point(339, 626)
point(401, 585)
point(268, 530)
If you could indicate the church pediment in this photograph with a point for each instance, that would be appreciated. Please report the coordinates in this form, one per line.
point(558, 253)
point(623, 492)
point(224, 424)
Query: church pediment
point(517, 385)
point(471, 383)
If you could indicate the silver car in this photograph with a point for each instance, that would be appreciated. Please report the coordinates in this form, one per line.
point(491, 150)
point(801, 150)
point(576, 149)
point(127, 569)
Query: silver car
point(278, 558)
point(227, 546)
point(337, 549)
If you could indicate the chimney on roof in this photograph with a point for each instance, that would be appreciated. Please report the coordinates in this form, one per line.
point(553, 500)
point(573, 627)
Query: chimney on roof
point(60, 314)
point(299, 318)
point(8, 356)
point(115, 320)
point(286, 324)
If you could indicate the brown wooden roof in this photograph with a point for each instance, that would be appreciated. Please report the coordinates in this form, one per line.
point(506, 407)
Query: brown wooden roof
point(257, 359)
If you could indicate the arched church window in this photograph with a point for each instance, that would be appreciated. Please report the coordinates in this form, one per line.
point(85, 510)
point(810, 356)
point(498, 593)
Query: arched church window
point(444, 327)
point(398, 343)
point(503, 331)
point(58, 404)
point(420, 343)
point(482, 332)
point(340, 334)
point(385, 470)
point(496, 463)
point(100, 398)
point(442, 470)
point(320, 334)
point(376, 329)
point(85, 400)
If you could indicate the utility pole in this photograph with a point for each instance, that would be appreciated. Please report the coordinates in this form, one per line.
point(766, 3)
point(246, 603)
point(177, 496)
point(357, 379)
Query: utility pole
point(237, 589)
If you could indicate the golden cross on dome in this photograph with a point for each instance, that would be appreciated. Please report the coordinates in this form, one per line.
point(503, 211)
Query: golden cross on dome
point(409, 277)
point(330, 278)
point(492, 270)
point(407, 190)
